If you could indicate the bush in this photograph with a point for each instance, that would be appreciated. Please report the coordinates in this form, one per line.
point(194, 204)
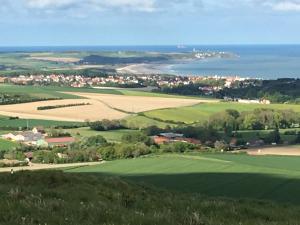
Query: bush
point(178, 147)
point(93, 141)
point(221, 146)
point(12, 163)
point(137, 137)
point(14, 155)
point(105, 125)
point(273, 137)
point(124, 151)
point(89, 155)
point(45, 157)
point(290, 132)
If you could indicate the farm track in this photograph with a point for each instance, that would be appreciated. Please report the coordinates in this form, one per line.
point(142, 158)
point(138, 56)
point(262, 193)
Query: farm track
point(35, 166)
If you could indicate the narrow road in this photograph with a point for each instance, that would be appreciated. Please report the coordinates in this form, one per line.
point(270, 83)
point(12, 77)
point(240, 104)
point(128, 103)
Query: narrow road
point(48, 166)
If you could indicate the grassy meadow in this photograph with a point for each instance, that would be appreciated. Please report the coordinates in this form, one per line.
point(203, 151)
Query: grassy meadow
point(40, 92)
point(55, 91)
point(214, 175)
point(200, 112)
point(111, 136)
point(6, 123)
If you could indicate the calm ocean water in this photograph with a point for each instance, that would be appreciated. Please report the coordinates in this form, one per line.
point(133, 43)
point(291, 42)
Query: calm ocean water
point(263, 61)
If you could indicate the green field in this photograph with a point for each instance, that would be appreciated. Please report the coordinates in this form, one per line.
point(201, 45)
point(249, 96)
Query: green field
point(202, 112)
point(55, 92)
point(214, 175)
point(112, 136)
point(6, 123)
point(40, 92)
point(138, 122)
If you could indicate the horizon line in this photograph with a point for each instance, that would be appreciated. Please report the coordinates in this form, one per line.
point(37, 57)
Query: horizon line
point(150, 45)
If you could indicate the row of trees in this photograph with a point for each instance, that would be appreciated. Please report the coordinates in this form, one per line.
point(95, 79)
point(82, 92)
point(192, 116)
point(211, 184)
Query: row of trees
point(281, 90)
point(61, 106)
point(105, 125)
point(259, 119)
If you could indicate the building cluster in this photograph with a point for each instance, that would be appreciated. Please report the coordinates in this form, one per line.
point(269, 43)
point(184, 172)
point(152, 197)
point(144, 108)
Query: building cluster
point(262, 101)
point(165, 138)
point(70, 80)
point(213, 83)
point(39, 138)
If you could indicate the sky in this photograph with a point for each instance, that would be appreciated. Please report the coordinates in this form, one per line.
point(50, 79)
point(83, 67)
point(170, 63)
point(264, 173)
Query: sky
point(148, 22)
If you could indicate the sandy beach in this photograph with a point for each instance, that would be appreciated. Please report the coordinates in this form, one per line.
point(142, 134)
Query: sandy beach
point(143, 68)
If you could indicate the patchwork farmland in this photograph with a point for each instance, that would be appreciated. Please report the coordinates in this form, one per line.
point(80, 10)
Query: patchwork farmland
point(99, 106)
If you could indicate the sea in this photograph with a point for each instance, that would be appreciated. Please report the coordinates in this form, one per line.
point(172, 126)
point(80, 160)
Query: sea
point(255, 61)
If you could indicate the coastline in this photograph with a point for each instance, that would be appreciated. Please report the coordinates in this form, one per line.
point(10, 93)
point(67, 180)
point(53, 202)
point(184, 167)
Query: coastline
point(144, 68)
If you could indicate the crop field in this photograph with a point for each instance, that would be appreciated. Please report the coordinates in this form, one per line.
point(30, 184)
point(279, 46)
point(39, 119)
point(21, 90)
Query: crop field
point(99, 106)
point(215, 175)
point(135, 104)
point(202, 111)
point(111, 136)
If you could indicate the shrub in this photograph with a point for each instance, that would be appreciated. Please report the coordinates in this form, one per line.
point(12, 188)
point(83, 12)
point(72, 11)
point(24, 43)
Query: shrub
point(105, 125)
point(137, 137)
point(178, 147)
point(221, 146)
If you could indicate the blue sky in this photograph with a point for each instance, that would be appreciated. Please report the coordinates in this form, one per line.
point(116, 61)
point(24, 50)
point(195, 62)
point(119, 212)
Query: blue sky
point(148, 22)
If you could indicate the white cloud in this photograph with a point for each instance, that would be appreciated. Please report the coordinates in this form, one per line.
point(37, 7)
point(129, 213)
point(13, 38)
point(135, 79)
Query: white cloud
point(86, 8)
point(126, 5)
point(286, 6)
point(41, 4)
point(137, 5)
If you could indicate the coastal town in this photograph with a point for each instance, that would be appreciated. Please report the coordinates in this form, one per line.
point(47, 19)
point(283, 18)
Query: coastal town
point(209, 84)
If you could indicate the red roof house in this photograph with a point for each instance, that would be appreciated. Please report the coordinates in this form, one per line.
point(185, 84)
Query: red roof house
point(60, 141)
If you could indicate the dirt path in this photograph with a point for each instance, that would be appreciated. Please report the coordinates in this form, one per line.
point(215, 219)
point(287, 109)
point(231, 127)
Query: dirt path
point(281, 150)
point(48, 166)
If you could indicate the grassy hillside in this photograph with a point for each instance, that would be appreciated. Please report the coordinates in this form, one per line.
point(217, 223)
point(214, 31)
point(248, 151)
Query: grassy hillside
point(113, 135)
point(40, 92)
point(225, 175)
point(31, 197)
point(201, 112)
point(53, 91)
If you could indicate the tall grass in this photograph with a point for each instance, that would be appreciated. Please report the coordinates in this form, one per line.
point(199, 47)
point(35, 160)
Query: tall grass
point(63, 199)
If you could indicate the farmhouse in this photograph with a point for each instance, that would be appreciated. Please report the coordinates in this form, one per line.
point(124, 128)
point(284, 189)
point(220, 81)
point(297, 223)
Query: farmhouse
point(26, 136)
point(60, 141)
point(164, 138)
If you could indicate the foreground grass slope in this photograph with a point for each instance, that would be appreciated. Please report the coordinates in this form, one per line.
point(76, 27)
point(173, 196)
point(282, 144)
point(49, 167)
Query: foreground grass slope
point(62, 198)
point(236, 176)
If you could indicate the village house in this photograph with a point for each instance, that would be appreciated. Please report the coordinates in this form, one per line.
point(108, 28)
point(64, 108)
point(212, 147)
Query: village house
point(28, 137)
point(164, 138)
point(60, 141)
